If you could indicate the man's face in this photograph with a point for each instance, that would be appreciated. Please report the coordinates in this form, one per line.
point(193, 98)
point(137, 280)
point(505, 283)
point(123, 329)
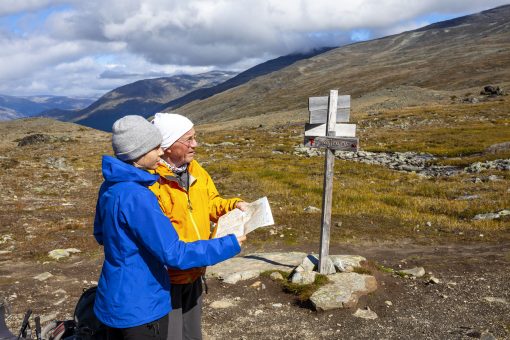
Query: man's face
point(183, 150)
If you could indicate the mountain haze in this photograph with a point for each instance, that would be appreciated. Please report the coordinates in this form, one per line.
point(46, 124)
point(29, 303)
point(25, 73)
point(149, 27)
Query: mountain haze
point(12, 107)
point(460, 54)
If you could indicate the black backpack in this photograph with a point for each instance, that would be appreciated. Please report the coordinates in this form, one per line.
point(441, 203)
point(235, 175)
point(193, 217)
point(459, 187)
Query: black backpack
point(88, 327)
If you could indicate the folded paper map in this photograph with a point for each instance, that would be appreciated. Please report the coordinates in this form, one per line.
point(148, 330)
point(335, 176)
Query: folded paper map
point(258, 214)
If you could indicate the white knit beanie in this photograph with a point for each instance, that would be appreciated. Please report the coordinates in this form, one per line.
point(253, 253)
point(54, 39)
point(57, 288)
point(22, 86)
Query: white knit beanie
point(133, 136)
point(172, 126)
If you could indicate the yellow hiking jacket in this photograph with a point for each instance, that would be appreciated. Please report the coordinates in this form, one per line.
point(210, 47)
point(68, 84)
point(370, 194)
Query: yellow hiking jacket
point(190, 211)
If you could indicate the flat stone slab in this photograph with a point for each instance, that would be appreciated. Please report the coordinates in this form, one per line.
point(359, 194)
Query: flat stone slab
point(344, 291)
point(250, 266)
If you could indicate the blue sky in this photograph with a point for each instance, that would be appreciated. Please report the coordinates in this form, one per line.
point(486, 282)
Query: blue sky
point(86, 48)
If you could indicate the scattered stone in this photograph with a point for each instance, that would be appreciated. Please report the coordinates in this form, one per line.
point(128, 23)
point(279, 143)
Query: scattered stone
point(505, 212)
point(486, 217)
point(365, 314)
point(338, 224)
point(496, 148)
point(346, 263)
point(428, 224)
point(58, 163)
point(495, 299)
point(487, 336)
point(57, 254)
point(258, 312)
point(240, 276)
point(256, 284)
point(303, 278)
point(59, 302)
point(37, 138)
point(416, 272)
point(343, 291)
point(275, 276)
point(388, 303)
point(4, 252)
point(311, 209)
point(221, 304)
point(491, 90)
point(309, 263)
point(467, 198)
point(59, 292)
point(433, 280)
point(473, 333)
point(43, 276)
point(277, 305)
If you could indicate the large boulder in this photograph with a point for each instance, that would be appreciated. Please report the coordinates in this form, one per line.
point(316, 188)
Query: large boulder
point(343, 291)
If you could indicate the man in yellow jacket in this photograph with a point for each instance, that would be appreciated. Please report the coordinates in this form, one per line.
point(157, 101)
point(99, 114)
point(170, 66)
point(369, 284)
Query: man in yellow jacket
point(188, 196)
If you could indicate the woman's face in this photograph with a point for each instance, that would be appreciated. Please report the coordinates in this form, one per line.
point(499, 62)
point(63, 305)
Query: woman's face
point(150, 160)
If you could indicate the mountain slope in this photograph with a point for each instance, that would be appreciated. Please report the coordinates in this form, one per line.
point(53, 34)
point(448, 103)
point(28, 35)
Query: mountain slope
point(143, 97)
point(462, 53)
point(243, 77)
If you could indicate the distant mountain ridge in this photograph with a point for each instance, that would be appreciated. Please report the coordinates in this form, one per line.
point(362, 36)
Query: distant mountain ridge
point(13, 107)
point(142, 97)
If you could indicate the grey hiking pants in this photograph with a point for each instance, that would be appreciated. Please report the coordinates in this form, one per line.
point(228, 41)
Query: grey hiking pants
point(185, 319)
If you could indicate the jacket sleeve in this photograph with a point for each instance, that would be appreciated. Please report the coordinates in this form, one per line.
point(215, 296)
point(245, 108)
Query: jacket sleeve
point(218, 206)
point(154, 231)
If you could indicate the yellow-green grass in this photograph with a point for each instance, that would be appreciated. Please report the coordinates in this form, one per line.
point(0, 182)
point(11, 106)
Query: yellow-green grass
point(372, 202)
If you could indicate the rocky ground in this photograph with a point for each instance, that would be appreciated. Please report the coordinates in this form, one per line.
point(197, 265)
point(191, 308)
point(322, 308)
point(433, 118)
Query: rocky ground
point(48, 192)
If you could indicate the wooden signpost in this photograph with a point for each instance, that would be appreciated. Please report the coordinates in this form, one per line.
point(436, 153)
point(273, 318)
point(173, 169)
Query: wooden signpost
point(322, 131)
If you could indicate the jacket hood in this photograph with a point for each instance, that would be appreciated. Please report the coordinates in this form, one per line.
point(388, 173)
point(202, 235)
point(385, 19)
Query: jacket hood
point(115, 171)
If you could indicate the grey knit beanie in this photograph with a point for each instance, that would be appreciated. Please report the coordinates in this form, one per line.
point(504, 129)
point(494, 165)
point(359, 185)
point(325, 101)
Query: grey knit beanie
point(134, 136)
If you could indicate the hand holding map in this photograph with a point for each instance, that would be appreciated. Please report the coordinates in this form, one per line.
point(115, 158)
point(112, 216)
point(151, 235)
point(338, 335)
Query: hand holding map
point(257, 214)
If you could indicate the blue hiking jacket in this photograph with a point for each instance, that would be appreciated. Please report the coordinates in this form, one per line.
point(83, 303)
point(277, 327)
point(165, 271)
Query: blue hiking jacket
point(139, 240)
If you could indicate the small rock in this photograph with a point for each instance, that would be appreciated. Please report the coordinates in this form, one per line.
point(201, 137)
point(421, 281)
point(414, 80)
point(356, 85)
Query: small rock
point(416, 272)
point(505, 212)
point(258, 312)
point(59, 292)
point(495, 299)
point(59, 302)
point(338, 224)
point(473, 333)
point(365, 314)
point(311, 209)
point(388, 303)
point(57, 254)
point(433, 280)
point(43, 276)
point(221, 304)
point(277, 305)
point(428, 224)
point(303, 278)
point(487, 336)
point(239, 276)
point(275, 276)
point(485, 217)
point(256, 284)
point(309, 263)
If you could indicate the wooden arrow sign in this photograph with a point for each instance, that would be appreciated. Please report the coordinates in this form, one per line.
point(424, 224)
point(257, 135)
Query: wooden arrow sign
point(318, 108)
point(333, 143)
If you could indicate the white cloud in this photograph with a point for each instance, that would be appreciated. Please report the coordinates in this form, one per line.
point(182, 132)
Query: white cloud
point(163, 37)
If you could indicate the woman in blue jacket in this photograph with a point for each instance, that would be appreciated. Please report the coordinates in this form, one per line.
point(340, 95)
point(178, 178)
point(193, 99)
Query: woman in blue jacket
point(139, 240)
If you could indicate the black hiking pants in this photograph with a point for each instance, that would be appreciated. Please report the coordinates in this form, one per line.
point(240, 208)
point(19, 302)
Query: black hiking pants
point(155, 330)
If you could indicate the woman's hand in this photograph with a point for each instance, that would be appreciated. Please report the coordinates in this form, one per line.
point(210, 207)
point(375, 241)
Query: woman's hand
point(241, 205)
point(241, 239)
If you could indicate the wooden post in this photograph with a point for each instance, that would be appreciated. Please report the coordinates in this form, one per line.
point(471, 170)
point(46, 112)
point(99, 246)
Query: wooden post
point(327, 195)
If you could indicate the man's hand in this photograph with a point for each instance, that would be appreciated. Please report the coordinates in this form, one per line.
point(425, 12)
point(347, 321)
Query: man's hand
point(241, 205)
point(241, 239)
